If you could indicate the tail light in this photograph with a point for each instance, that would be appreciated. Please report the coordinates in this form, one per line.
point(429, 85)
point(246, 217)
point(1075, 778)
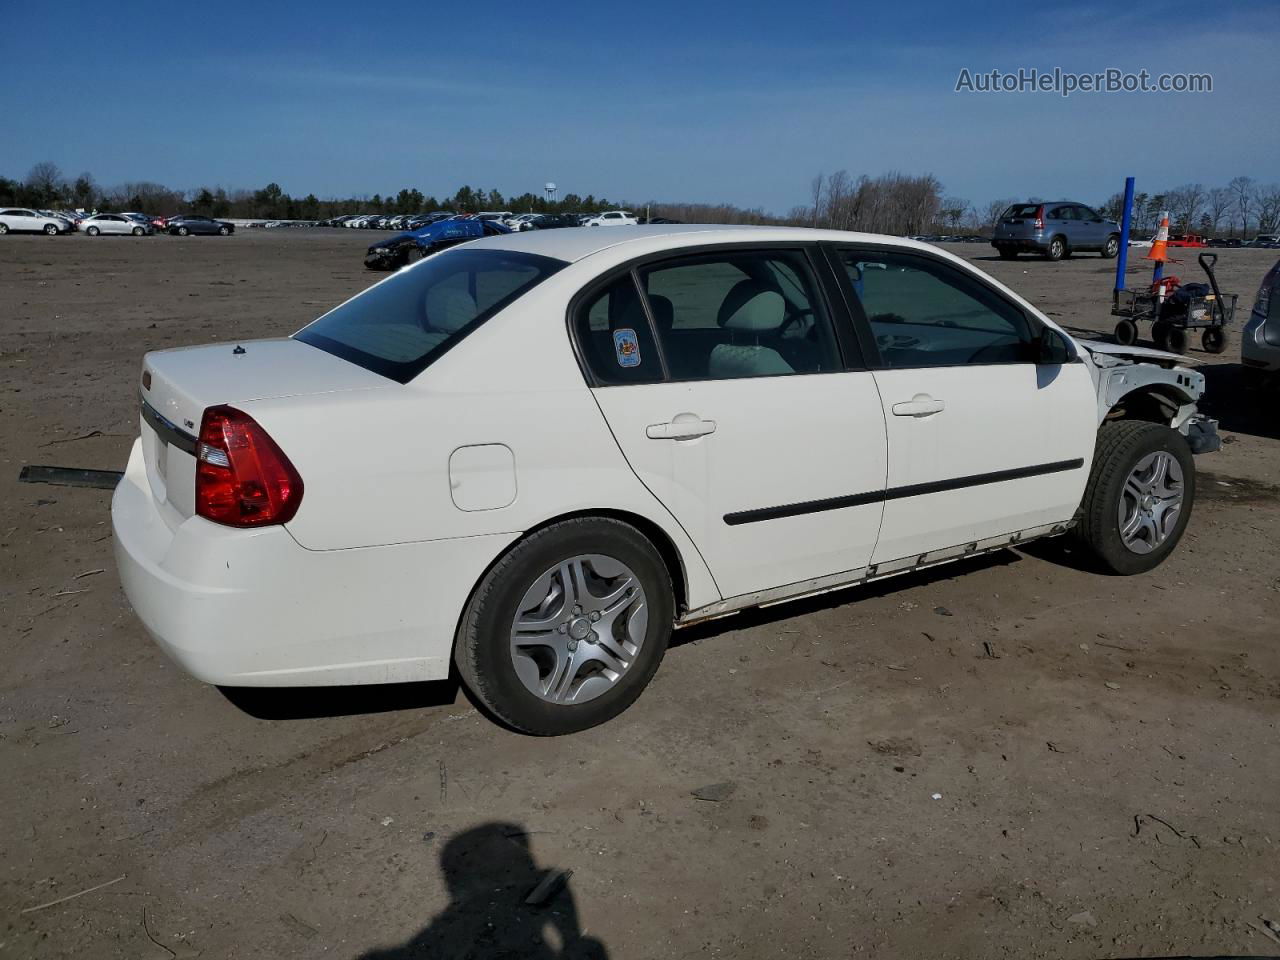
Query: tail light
point(242, 478)
point(1039, 222)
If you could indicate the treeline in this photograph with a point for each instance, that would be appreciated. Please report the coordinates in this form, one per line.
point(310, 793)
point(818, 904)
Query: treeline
point(892, 203)
point(45, 187)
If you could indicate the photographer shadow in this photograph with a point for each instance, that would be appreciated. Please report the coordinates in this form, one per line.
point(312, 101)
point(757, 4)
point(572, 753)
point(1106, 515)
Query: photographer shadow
point(490, 871)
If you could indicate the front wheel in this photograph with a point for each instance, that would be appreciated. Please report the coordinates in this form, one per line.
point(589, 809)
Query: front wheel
point(1111, 248)
point(4, 228)
point(1139, 496)
point(51, 229)
point(1214, 339)
point(183, 231)
point(224, 231)
point(138, 231)
point(568, 628)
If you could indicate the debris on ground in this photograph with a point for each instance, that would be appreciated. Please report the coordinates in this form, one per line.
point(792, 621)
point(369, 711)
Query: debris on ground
point(1084, 917)
point(943, 612)
point(548, 887)
point(715, 792)
point(71, 477)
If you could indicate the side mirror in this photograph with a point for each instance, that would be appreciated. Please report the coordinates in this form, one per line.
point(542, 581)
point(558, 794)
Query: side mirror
point(1052, 348)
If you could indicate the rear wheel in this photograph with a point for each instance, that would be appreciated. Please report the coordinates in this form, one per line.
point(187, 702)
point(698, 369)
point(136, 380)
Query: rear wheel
point(1111, 248)
point(1160, 334)
point(1126, 332)
point(51, 229)
point(92, 231)
point(1214, 339)
point(1007, 253)
point(1139, 496)
point(568, 628)
point(1056, 250)
point(1178, 339)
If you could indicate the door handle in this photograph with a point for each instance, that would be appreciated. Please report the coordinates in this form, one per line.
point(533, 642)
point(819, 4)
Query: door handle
point(921, 405)
point(684, 426)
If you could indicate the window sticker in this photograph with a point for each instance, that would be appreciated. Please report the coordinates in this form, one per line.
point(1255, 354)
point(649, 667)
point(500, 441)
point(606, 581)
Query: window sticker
point(626, 346)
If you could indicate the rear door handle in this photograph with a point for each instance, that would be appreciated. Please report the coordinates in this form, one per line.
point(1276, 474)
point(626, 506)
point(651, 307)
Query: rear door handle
point(921, 405)
point(683, 426)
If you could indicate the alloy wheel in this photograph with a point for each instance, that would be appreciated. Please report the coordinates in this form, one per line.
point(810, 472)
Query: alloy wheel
point(1150, 502)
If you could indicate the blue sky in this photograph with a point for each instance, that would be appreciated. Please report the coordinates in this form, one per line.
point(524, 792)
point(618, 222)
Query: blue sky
point(739, 103)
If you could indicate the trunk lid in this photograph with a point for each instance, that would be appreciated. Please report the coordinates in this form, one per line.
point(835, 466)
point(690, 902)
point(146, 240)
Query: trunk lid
point(178, 385)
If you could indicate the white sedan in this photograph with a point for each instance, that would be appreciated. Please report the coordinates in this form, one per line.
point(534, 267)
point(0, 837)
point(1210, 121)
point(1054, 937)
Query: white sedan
point(22, 220)
point(535, 454)
point(102, 223)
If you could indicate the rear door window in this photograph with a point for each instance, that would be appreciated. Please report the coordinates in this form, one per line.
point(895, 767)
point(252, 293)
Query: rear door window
point(397, 327)
point(1021, 211)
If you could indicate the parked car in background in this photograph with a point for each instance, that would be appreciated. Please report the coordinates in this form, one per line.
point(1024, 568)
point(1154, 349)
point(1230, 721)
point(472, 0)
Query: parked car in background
point(406, 248)
point(516, 223)
point(117, 223)
point(502, 216)
point(1260, 342)
point(1054, 230)
point(25, 220)
point(1267, 241)
point(187, 225)
point(741, 416)
point(550, 221)
point(613, 218)
point(1187, 240)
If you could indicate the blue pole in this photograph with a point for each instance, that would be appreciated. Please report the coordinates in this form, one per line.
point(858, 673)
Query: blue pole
point(1122, 262)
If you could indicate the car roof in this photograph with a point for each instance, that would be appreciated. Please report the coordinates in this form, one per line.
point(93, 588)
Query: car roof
point(574, 245)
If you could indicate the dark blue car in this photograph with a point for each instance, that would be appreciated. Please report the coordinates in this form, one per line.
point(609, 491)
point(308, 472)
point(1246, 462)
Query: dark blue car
point(404, 248)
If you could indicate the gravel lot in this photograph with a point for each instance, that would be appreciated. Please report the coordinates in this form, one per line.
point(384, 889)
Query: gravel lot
point(1105, 750)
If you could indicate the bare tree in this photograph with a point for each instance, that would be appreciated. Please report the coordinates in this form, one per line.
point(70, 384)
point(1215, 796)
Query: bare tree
point(991, 213)
point(815, 190)
point(1242, 192)
point(1268, 207)
point(44, 182)
point(1217, 203)
point(1185, 203)
point(952, 211)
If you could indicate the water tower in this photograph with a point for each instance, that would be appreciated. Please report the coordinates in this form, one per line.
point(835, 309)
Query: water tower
point(550, 190)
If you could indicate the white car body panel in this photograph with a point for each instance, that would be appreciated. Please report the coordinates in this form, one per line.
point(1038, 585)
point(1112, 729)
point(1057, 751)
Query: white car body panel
point(413, 490)
point(111, 223)
point(25, 220)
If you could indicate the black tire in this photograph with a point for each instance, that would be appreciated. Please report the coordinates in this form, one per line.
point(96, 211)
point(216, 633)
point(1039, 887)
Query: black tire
point(1126, 332)
point(138, 231)
point(1214, 339)
point(1160, 334)
point(1056, 250)
point(1121, 445)
point(483, 648)
point(92, 231)
point(1007, 253)
point(4, 228)
point(51, 229)
point(183, 232)
point(1111, 249)
point(1178, 339)
point(224, 231)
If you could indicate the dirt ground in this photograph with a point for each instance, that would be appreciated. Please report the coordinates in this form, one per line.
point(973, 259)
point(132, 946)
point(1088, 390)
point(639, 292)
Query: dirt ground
point(1008, 757)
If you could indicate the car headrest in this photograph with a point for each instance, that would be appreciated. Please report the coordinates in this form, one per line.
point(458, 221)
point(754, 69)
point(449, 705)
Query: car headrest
point(763, 311)
point(448, 309)
point(664, 313)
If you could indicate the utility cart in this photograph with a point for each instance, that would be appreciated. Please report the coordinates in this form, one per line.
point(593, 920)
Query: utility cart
point(1174, 308)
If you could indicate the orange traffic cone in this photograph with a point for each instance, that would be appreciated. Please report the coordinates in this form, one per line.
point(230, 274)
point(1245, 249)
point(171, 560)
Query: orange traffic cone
point(1159, 246)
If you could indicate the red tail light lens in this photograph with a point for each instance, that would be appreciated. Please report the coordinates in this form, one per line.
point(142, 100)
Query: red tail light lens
point(242, 478)
point(1040, 217)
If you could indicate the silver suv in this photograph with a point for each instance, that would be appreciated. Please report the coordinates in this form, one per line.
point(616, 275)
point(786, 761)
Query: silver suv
point(1260, 344)
point(1054, 230)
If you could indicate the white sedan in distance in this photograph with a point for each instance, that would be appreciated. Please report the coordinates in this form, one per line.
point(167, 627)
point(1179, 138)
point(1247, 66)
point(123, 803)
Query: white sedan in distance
point(119, 223)
point(23, 220)
point(535, 454)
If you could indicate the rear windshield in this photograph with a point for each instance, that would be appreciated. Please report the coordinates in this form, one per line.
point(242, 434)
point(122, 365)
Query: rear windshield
point(399, 326)
point(1022, 210)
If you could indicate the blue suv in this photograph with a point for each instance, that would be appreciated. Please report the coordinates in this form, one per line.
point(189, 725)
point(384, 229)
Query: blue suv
point(1054, 230)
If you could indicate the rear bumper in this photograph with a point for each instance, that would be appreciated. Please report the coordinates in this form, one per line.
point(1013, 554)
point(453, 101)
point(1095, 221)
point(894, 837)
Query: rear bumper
point(254, 608)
